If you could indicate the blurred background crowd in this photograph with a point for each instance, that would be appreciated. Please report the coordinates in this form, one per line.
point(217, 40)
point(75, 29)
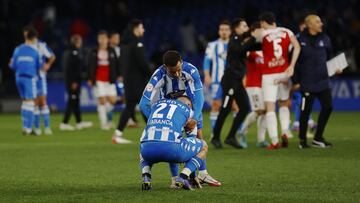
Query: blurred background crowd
point(183, 25)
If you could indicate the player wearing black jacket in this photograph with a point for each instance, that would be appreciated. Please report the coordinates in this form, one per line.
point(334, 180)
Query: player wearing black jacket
point(136, 72)
point(73, 61)
point(240, 43)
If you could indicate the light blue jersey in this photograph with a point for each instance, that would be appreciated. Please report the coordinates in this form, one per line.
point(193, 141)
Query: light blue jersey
point(215, 63)
point(162, 139)
point(215, 59)
point(161, 86)
point(166, 121)
point(26, 64)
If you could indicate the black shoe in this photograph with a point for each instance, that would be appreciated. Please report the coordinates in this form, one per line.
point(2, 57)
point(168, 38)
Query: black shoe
point(284, 141)
point(321, 143)
point(233, 142)
point(146, 183)
point(216, 142)
point(303, 145)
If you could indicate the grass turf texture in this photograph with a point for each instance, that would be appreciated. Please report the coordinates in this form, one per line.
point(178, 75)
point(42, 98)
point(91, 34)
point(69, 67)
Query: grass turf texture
point(83, 166)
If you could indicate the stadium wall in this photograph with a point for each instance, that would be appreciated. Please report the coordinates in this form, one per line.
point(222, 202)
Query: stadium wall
point(346, 96)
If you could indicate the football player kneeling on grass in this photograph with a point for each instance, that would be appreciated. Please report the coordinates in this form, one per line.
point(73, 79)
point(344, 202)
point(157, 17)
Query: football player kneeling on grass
point(162, 141)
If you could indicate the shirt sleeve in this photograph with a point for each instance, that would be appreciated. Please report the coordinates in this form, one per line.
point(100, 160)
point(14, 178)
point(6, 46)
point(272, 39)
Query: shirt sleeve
point(289, 32)
point(208, 57)
point(196, 78)
point(198, 104)
point(150, 91)
point(46, 50)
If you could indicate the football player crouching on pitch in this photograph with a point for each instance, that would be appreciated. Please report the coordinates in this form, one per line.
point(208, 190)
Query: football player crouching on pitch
point(162, 141)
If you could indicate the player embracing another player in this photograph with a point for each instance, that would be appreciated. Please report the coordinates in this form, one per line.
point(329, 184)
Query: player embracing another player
point(277, 70)
point(253, 79)
point(173, 79)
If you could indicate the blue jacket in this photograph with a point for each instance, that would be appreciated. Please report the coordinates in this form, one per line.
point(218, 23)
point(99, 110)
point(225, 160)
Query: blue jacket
point(311, 71)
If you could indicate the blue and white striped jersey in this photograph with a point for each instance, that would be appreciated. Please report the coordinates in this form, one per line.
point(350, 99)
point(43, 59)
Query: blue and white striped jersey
point(215, 59)
point(45, 52)
point(166, 120)
point(25, 61)
point(161, 85)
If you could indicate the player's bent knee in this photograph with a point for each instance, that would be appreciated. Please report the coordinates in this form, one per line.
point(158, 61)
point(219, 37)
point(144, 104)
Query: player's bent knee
point(204, 147)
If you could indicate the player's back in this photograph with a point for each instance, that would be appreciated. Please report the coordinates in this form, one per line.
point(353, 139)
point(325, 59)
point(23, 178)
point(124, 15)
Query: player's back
point(254, 63)
point(25, 61)
point(166, 121)
point(275, 46)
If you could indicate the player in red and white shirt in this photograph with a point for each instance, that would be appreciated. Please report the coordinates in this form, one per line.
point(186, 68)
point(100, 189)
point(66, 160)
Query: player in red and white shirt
point(103, 73)
point(277, 70)
point(253, 87)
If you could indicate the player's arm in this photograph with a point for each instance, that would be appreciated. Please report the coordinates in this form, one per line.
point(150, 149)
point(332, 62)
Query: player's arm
point(206, 65)
point(12, 62)
point(295, 55)
point(50, 56)
point(199, 99)
point(149, 91)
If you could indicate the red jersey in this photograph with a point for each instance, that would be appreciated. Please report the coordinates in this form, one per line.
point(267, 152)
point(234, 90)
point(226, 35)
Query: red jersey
point(275, 46)
point(254, 63)
point(103, 66)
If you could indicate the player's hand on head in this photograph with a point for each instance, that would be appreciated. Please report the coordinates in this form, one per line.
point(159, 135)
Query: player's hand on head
point(190, 125)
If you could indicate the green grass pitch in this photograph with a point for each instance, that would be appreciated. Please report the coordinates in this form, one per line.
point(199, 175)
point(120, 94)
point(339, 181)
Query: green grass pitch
point(83, 166)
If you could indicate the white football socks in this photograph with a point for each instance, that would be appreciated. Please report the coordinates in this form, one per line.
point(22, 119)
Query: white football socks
point(101, 108)
point(284, 116)
point(249, 120)
point(271, 125)
point(261, 128)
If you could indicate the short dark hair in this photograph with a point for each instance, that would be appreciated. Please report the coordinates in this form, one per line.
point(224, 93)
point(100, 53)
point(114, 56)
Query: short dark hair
point(102, 32)
point(171, 58)
point(236, 22)
point(113, 33)
point(268, 17)
point(31, 32)
point(255, 25)
point(225, 22)
point(134, 23)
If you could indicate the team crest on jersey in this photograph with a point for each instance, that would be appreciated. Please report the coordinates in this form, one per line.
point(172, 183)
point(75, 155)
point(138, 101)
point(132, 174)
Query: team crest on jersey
point(321, 43)
point(149, 87)
point(222, 55)
point(140, 44)
point(231, 91)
